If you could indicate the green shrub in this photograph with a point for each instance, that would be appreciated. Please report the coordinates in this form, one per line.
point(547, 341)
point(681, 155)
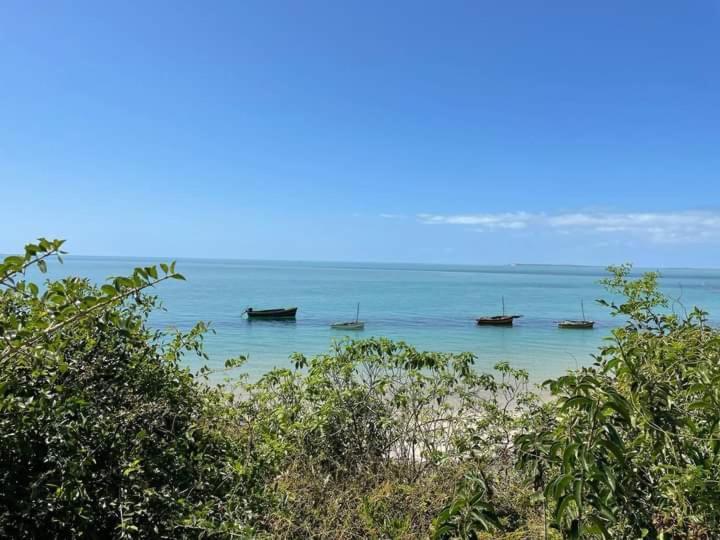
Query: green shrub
point(632, 449)
point(372, 439)
point(626, 448)
point(102, 433)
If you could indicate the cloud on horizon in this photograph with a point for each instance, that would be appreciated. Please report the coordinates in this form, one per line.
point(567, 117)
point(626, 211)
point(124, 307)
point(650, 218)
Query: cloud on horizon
point(660, 227)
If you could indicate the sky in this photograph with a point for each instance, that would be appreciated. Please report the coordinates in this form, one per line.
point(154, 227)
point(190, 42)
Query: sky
point(408, 131)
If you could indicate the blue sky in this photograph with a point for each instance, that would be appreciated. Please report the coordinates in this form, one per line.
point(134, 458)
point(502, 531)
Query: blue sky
point(459, 132)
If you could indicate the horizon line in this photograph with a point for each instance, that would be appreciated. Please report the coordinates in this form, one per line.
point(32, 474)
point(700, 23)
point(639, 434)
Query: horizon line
point(329, 261)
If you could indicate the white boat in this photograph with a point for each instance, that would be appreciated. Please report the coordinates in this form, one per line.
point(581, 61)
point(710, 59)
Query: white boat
point(350, 325)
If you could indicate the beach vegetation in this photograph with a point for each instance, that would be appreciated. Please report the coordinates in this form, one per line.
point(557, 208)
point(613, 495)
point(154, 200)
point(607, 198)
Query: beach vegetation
point(105, 433)
point(632, 448)
point(383, 435)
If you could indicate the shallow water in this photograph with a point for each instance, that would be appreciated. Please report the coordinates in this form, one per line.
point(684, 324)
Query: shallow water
point(429, 306)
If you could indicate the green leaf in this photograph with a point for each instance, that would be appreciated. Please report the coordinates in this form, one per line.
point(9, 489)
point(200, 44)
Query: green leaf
point(14, 261)
point(614, 449)
point(578, 402)
point(563, 483)
point(577, 489)
point(562, 507)
point(109, 290)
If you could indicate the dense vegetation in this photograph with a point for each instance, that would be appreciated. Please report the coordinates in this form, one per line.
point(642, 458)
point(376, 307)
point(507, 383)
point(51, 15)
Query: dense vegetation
point(105, 434)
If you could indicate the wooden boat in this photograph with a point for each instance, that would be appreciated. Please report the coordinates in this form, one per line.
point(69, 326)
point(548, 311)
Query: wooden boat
point(576, 324)
point(350, 325)
point(498, 320)
point(280, 313)
point(584, 324)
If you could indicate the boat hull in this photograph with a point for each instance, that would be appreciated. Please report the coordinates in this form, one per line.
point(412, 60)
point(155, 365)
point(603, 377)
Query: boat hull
point(576, 325)
point(497, 320)
point(284, 313)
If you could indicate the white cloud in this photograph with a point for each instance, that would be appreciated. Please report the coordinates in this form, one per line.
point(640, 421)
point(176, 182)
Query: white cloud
point(680, 226)
point(393, 216)
point(508, 220)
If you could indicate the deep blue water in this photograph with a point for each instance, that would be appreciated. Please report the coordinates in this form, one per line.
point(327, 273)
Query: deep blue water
point(429, 306)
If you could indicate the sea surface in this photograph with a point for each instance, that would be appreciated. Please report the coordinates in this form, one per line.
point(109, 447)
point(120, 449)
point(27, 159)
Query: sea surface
point(431, 307)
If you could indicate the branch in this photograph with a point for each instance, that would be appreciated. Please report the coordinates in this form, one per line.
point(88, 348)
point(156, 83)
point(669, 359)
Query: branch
point(80, 315)
point(28, 263)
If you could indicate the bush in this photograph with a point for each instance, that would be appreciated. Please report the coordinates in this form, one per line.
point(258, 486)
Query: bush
point(372, 439)
point(632, 449)
point(103, 433)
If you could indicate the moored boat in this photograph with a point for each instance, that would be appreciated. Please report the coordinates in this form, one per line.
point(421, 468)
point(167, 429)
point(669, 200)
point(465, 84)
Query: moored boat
point(576, 324)
point(350, 325)
point(497, 320)
point(279, 313)
point(583, 324)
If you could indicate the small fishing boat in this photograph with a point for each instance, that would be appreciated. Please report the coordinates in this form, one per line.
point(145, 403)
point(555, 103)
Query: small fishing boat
point(350, 325)
point(498, 320)
point(280, 313)
point(576, 324)
point(584, 324)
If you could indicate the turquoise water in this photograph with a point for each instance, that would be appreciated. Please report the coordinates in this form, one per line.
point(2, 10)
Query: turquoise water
point(429, 306)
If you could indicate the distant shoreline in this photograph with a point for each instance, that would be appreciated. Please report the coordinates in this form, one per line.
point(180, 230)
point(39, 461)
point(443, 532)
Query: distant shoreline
point(381, 264)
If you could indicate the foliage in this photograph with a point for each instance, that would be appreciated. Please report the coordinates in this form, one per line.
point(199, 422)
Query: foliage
point(470, 512)
point(365, 404)
point(376, 421)
point(632, 448)
point(379, 506)
point(103, 433)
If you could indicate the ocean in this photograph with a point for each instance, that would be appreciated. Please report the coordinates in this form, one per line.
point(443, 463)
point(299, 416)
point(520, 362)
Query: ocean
point(431, 307)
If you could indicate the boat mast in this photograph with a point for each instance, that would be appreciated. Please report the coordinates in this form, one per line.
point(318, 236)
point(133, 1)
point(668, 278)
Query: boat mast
point(582, 307)
point(503, 303)
point(357, 313)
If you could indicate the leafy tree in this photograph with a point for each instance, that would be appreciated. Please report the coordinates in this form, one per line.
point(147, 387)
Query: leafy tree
point(632, 447)
point(102, 432)
point(381, 433)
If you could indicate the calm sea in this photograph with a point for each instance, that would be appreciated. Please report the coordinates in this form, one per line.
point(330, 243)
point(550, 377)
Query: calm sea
point(429, 306)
